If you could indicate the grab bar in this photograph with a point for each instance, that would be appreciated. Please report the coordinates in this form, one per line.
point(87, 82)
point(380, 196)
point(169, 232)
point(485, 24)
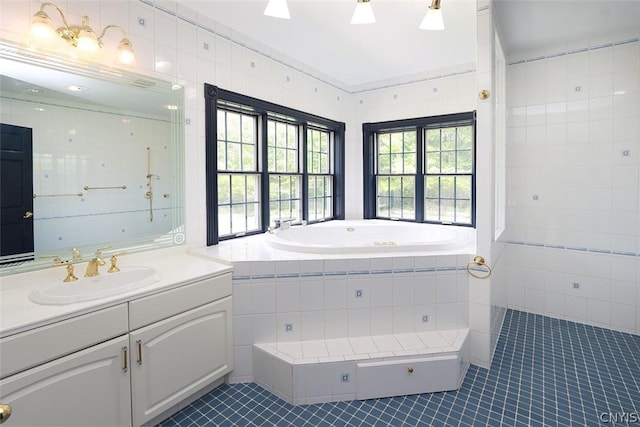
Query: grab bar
point(121, 187)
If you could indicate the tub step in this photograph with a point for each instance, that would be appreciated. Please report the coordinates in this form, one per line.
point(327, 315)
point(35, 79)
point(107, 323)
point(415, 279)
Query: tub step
point(305, 372)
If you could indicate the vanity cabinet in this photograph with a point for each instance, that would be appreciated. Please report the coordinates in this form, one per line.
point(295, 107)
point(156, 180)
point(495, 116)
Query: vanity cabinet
point(176, 357)
point(89, 387)
point(144, 357)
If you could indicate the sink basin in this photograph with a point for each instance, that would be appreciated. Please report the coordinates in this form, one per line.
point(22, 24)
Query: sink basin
point(104, 285)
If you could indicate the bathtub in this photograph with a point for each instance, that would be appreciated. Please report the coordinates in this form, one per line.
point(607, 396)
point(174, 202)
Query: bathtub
point(369, 236)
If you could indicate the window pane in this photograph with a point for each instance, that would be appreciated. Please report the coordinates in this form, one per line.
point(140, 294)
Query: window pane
point(465, 162)
point(465, 138)
point(233, 127)
point(433, 140)
point(224, 220)
point(222, 124)
point(396, 197)
point(283, 147)
point(448, 139)
point(463, 187)
point(448, 162)
point(284, 197)
point(447, 187)
point(233, 157)
point(447, 211)
point(224, 189)
point(433, 162)
point(222, 155)
point(463, 211)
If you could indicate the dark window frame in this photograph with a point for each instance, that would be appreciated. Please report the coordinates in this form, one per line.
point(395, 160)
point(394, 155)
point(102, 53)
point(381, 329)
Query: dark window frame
point(215, 96)
point(420, 125)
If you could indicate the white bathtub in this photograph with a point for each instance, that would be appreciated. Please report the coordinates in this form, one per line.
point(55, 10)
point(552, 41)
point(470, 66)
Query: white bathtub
point(369, 236)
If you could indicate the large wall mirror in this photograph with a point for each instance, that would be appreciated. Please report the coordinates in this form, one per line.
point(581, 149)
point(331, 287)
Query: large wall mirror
point(92, 157)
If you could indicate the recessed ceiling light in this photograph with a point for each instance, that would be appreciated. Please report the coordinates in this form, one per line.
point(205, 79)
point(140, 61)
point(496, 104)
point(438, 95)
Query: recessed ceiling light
point(34, 90)
point(75, 88)
point(176, 86)
point(172, 107)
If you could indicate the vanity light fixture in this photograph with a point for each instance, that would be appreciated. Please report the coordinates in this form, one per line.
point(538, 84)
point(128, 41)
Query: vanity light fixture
point(363, 14)
point(277, 9)
point(81, 36)
point(433, 18)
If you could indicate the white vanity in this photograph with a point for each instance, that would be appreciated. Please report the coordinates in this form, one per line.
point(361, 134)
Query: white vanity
point(124, 360)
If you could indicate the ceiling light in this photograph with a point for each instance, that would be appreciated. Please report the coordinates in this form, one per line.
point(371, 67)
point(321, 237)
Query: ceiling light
point(277, 9)
point(363, 13)
point(433, 19)
point(80, 36)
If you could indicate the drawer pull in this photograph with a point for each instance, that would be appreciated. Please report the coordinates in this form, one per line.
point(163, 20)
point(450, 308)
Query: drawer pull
point(5, 412)
point(125, 366)
point(410, 370)
point(139, 342)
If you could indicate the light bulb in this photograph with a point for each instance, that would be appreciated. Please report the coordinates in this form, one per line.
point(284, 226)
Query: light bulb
point(277, 9)
point(41, 26)
point(363, 13)
point(125, 52)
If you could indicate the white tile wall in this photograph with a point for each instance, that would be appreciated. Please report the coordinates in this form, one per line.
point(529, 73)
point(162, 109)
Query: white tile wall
point(575, 151)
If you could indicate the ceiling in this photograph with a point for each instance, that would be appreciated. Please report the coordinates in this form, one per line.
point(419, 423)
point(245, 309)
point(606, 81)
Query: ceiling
point(319, 33)
point(528, 25)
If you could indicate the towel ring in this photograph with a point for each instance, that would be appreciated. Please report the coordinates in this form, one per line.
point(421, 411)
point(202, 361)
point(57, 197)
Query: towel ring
point(480, 262)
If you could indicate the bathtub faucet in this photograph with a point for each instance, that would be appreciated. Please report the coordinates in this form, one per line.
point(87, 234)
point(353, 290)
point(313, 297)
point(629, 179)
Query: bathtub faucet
point(283, 224)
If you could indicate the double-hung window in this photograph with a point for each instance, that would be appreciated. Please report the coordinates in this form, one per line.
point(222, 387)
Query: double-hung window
point(268, 164)
point(421, 169)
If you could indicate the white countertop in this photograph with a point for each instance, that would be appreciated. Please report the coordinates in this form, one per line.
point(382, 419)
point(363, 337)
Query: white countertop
point(174, 266)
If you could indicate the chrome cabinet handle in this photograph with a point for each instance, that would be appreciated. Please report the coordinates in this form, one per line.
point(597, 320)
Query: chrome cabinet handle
point(5, 412)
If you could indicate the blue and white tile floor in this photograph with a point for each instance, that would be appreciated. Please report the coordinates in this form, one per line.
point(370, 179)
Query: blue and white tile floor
point(546, 372)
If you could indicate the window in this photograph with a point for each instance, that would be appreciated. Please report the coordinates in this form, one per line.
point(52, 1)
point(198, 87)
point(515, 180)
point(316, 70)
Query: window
point(421, 169)
point(267, 163)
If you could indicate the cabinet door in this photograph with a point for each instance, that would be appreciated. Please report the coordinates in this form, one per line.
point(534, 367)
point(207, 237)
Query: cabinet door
point(174, 358)
point(87, 388)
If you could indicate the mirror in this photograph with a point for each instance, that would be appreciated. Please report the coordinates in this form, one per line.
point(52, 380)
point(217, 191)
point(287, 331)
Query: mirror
point(91, 156)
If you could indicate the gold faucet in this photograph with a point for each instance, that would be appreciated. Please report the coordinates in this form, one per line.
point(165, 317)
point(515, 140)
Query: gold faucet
point(92, 267)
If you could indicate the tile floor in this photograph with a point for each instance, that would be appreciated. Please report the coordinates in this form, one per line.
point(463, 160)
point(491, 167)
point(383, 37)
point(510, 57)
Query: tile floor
point(546, 372)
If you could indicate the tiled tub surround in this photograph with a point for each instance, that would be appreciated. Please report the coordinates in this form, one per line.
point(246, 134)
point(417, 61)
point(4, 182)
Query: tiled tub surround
point(284, 297)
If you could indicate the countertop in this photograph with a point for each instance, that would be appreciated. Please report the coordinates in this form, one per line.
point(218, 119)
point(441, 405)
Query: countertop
point(175, 266)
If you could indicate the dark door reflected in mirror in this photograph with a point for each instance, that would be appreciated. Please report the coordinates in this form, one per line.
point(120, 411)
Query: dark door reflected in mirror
point(16, 193)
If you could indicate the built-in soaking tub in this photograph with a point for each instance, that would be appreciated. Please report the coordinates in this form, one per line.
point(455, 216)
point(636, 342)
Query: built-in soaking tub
point(369, 236)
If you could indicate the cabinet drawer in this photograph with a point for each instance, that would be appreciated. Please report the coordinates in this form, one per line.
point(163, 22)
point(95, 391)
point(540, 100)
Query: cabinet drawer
point(409, 376)
point(25, 350)
point(147, 310)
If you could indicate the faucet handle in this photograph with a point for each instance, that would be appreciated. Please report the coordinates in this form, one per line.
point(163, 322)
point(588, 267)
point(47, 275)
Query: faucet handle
point(98, 252)
point(75, 254)
point(114, 259)
point(57, 261)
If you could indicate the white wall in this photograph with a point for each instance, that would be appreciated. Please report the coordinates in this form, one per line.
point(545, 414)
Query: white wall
point(573, 185)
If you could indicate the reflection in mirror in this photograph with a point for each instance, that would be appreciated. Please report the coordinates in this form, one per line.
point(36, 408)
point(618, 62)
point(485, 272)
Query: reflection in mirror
point(91, 157)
